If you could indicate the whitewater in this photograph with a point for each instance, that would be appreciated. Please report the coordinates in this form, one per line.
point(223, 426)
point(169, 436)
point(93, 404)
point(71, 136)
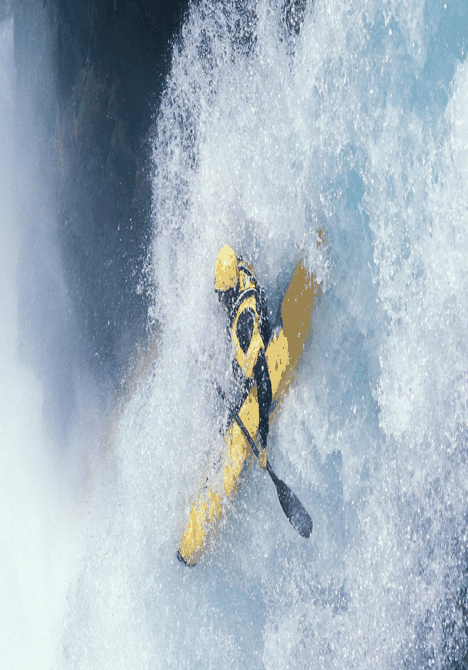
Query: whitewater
point(355, 124)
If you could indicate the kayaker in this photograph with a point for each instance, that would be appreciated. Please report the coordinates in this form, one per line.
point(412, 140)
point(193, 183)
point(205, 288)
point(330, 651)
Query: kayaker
point(250, 332)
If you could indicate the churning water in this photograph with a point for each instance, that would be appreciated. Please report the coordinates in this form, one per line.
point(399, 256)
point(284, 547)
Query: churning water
point(42, 474)
point(354, 120)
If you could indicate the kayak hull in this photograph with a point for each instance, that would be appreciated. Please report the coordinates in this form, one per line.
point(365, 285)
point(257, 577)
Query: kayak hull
point(283, 354)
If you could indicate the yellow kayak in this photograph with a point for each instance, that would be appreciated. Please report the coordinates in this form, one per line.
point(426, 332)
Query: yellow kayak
point(283, 354)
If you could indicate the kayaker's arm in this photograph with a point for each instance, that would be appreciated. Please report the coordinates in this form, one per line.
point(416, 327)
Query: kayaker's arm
point(245, 328)
point(264, 395)
point(244, 332)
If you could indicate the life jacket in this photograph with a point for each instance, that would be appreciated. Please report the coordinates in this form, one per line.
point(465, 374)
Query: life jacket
point(249, 298)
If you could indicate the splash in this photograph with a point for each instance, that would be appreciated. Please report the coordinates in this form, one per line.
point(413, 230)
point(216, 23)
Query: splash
point(264, 135)
point(47, 425)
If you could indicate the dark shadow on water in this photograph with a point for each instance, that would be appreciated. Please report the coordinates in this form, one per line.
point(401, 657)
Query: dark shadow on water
point(90, 74)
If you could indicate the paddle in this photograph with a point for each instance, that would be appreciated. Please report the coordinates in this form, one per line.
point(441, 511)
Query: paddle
point(290, 503)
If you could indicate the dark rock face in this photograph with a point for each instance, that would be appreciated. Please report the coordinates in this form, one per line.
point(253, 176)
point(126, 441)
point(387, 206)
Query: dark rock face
point(91, 73)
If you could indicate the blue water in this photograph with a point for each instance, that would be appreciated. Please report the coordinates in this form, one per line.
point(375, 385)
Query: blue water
point(357, 125)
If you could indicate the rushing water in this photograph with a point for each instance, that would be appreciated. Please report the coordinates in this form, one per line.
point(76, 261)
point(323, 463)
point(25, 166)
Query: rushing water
point(48, 409)
point(356, 124)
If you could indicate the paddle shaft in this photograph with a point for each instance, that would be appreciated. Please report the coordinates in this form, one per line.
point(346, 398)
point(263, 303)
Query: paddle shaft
point(248, 436)
point(291, 505)
point(254, 448)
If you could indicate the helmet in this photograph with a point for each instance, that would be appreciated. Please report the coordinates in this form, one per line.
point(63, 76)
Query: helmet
point(226, 271)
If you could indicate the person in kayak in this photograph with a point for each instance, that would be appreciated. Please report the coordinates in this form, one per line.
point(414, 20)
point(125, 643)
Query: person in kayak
point(250, 332)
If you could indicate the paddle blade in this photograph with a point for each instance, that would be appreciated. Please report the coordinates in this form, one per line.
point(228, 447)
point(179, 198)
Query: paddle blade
point(294, 509)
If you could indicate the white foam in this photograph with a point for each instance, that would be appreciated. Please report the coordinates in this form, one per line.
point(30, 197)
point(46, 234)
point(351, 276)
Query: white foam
point(39, 476)
point(257, 146)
